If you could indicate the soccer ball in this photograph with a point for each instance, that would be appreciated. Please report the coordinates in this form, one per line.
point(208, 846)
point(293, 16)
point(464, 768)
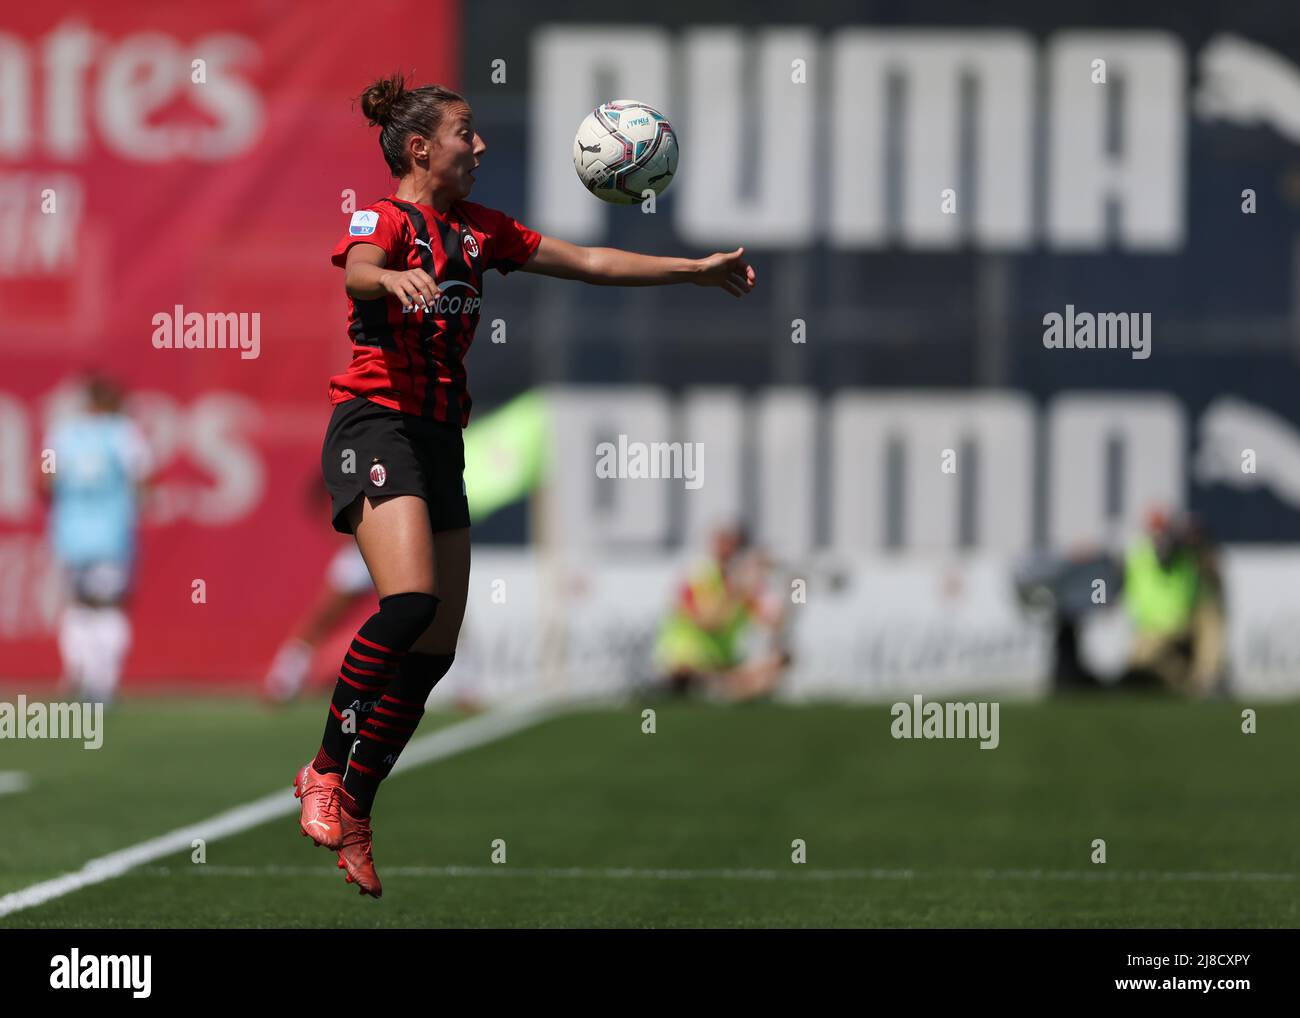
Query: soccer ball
point(623, 148)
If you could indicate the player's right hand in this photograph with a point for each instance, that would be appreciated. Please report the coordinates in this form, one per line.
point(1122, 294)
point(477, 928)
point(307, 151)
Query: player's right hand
point(415, 288)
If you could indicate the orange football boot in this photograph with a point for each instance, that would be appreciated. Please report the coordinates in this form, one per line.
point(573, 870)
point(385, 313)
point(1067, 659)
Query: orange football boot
point(320, 806)
point(354, 854)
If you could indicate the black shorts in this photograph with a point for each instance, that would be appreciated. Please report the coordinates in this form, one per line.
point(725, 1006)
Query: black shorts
point(372, 450)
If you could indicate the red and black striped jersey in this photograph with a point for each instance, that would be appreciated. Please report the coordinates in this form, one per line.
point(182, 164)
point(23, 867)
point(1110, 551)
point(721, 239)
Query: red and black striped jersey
point(415, 362)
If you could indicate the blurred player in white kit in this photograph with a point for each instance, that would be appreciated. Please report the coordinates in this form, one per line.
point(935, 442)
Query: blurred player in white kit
point(96, 479)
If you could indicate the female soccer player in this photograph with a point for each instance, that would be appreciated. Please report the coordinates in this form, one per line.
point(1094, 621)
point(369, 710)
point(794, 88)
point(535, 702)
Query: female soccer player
point(393, 454)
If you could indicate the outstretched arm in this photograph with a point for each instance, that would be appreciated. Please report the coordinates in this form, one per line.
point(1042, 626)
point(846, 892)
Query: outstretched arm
point(610, 266)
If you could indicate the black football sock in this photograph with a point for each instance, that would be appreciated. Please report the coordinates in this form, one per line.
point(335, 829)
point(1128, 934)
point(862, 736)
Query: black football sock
point(371, 662)
point(390, 725)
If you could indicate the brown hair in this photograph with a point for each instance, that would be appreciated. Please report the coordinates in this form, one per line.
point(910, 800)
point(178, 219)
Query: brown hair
point(400, 112)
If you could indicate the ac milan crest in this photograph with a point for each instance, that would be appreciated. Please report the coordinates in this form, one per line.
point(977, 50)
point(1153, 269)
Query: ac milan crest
point(378, 475)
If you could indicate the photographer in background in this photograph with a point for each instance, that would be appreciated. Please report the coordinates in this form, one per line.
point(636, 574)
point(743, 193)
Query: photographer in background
point(1173, 593)
point(724, 636)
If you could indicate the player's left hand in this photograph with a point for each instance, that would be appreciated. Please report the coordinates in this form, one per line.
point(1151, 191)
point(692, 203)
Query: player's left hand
point(727, 269)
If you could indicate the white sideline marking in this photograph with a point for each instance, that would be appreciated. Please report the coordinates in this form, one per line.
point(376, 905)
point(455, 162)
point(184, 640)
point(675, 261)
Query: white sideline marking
point(794, 873)
point(13, 781)
point(435, 746)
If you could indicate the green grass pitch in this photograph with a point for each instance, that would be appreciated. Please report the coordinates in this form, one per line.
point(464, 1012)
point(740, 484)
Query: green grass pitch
point(692, 826)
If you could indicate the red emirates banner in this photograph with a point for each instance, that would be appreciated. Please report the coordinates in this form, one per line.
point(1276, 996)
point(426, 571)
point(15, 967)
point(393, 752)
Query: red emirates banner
point(160, 159)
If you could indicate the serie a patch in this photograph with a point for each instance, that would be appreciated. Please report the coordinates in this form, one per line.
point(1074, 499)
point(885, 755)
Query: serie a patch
point(363, 223)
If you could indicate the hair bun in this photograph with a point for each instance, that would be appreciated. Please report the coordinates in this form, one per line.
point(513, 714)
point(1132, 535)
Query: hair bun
point(378, 99)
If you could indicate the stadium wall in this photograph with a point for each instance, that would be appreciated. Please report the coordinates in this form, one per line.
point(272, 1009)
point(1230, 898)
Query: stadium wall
point(856, 487)
point(860, 629)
